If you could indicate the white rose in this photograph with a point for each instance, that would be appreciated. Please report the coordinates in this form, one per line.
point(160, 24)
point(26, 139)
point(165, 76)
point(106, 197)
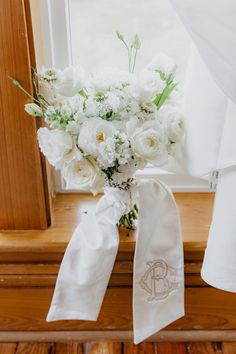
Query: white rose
point(162, 63)
point(149, 143)
point(173, 123)
point(84, 175)
point(93, 132)
point(70, 82)
point(57, 146)
point(150, 83)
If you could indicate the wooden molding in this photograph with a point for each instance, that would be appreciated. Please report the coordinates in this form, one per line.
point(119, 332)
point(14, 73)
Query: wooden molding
point(117, 336)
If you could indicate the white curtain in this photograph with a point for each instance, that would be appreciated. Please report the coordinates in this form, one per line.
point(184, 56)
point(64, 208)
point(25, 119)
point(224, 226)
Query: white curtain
point(211, 123)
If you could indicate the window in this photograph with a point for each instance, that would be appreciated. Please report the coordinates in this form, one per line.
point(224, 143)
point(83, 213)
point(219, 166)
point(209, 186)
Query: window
point(82, 32)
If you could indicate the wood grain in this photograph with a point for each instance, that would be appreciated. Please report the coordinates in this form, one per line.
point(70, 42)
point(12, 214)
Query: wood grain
point(155, 348)
point(143, 348)
point(33, 348)
point(103, 348)
point(204, 348)
point(23, 203)
point(170, 348)
point(229, 347)
point(7, 348)
point(68, 348)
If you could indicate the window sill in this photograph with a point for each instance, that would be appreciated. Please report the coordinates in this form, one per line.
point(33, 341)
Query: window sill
point(49, 245)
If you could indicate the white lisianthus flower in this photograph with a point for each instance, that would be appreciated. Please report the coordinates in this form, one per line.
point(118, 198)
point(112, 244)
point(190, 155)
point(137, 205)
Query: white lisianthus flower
point(84, 175)
point(150, 84)
point(57, 146)
point(93, 132)
point(49, 75)
point(70, 82)
point(47, 78)
point(33, 109)
point(149, 142)
point(163, 64)
point(173, 123)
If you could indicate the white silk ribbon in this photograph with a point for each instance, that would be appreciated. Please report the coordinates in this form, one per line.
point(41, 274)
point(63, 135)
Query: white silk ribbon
point(158, 285)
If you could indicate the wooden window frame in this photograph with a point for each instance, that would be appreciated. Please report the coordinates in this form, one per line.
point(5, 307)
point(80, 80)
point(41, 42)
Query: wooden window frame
point(24, 191)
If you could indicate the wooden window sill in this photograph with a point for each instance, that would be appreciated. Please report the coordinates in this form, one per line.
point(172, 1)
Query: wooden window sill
point(49, 245)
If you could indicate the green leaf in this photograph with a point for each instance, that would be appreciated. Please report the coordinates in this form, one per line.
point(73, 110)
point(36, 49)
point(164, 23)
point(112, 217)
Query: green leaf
point(159, 100)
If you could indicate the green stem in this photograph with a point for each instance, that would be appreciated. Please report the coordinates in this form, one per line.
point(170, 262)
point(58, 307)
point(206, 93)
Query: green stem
point(134, 62)
point(18, 85)
point(129, 53)
point(128, 220)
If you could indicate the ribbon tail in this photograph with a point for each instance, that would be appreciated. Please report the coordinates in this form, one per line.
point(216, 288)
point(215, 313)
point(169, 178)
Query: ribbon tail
point(87, 264)
point(158, 284)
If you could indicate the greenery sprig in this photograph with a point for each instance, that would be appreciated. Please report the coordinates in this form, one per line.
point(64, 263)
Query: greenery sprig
point(132, 49)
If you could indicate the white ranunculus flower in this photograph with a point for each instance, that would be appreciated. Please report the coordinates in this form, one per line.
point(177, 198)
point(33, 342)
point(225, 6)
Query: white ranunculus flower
point(93, 132)
point(173, 123)
point(70, 82)
point(84, 175)
point(162, 63)
point(149, 142)
point(57, 146)
point(150, 83)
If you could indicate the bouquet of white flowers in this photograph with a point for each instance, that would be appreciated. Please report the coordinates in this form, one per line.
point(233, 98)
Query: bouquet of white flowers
point(105, 126)
point(101, 129)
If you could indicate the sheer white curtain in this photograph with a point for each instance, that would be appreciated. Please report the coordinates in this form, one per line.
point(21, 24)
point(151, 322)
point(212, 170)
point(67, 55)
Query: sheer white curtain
point(211, 124)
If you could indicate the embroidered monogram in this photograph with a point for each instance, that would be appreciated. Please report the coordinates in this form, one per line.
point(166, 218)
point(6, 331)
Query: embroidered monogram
point(159, 280)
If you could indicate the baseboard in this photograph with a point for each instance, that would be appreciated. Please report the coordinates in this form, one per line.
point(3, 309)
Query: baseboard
point(120, 336)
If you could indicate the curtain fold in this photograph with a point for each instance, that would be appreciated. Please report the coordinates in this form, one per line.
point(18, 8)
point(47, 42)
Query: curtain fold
point(212, 27)
point(210, 104)
point(211, 84)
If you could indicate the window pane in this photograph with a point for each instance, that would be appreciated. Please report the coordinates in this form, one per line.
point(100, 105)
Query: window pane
point(93, 26)
point(93, 44)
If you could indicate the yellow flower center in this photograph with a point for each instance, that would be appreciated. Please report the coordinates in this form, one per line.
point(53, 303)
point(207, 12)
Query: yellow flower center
point(100, 137)
point(152, 141)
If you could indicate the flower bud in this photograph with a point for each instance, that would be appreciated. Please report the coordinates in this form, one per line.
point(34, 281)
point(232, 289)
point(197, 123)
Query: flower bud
point(33, 109)
point(136, 42)
point(120, 36)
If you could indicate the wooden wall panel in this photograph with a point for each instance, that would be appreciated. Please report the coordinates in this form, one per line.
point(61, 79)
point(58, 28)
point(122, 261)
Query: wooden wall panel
point(24, 201)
